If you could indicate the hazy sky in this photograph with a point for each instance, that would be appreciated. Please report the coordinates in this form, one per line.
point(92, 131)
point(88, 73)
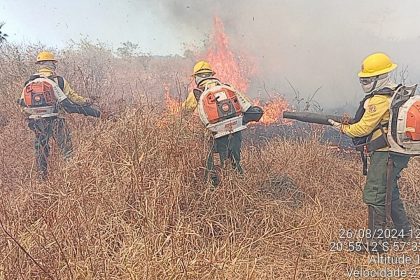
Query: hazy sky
point(311, 43)
point(56, 22)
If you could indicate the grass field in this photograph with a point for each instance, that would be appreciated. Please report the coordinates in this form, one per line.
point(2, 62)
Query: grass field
point(132, 204)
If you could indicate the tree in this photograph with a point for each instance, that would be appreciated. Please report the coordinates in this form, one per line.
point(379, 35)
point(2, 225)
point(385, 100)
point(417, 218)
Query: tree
point(3, 35)
point(128, 49)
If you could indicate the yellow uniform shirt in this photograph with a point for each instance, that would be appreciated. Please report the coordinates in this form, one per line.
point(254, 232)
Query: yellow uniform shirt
point(190, 103)
point(376, 112)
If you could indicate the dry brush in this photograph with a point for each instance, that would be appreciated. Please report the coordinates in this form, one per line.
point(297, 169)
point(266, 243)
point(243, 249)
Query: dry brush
point(132, 203)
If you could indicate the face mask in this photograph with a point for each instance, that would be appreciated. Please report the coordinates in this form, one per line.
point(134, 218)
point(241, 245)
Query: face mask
point(201, 77)
point(50, 65)
point(371, 84)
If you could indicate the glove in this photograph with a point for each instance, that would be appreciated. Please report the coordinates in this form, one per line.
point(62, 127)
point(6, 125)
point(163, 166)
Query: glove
point(335, 125)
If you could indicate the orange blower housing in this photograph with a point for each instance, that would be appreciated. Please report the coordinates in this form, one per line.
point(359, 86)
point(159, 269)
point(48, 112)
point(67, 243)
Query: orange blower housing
point(221, 111)
point(221, 103)
point(413, 122)
point(39, 94)
point(404, 124)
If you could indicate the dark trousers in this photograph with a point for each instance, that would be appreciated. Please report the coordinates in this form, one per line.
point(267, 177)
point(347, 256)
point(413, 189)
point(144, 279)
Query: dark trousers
point(229, 148)
point(44, 129)
point(374, 194)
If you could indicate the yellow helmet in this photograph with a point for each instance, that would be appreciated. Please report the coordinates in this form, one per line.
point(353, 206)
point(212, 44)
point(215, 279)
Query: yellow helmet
point(45, 56)
point(202, 67)
point(376, 64)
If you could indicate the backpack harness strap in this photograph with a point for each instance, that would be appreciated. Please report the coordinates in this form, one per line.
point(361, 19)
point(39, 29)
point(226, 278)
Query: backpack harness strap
point(365, 144)
point(60, 80)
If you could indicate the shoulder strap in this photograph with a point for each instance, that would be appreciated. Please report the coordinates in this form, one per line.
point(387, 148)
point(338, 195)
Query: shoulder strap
point(31, 78)
point(204, 83)
point(387, 91)
point(60, 81)
point(361, 110)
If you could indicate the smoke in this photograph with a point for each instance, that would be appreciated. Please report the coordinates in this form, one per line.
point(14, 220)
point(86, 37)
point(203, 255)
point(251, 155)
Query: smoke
point(309, 43)
point(312, 44)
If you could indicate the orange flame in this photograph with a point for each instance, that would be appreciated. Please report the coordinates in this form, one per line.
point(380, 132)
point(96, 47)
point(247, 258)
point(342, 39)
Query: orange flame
point(235, 70)
point(172, 108)
point(229, 68)
point(172, 105)
point(273, 111)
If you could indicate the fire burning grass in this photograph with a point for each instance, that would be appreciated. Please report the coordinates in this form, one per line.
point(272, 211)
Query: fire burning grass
point(235, 70)
point(132, 203)
point(273, 111)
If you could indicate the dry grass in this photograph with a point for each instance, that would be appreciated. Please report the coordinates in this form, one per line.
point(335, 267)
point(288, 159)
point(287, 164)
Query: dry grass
point(131, 203)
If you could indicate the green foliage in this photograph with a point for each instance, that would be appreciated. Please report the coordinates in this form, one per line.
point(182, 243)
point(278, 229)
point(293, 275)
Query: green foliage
point(128, 49)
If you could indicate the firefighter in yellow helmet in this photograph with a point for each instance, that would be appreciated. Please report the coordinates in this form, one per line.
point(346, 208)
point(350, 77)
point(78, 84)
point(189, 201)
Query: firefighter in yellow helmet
point(229, 146)
point(44, 117)
point(369, 136)
point(203, 75)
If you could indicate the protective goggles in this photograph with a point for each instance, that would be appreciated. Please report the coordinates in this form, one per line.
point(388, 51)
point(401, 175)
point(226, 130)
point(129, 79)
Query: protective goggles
point(369, 80)
point(204, 75)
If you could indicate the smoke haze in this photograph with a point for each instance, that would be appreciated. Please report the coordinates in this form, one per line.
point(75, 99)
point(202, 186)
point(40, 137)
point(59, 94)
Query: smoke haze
point(310, 43)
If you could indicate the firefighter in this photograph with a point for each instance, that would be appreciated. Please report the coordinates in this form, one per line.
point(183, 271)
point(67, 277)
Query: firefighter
point(52, 124)
point(229, 146)
point(369, 132)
